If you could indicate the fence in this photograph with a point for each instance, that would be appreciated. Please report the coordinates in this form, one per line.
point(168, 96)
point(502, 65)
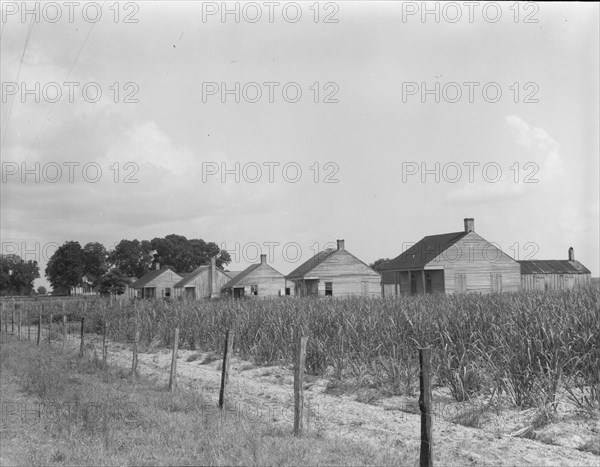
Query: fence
point(62, 325)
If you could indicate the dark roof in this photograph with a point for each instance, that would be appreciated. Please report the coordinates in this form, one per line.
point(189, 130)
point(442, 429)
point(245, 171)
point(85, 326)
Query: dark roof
point(149, 276)
point(424, 251)
point(553, 267)
point(312, 263)
point(188, 276)
point(233, 274)
point(240, 276)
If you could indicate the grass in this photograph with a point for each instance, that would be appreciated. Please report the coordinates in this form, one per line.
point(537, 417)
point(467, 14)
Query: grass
point(78, 414)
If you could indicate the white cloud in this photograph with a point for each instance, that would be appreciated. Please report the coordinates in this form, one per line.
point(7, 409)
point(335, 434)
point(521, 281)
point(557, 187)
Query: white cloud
point(542, 167)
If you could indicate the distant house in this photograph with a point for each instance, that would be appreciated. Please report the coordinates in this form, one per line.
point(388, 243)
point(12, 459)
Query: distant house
point(258, 280)
point(159, 283)
point(337, 273)
point(554, 274)
point(203, 283)
point(451, 263)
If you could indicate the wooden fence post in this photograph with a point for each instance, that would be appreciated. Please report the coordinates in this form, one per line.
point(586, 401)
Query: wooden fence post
point(104, 344)
point(49, 328)
point(18, 305)
point(12, 321)
point(426, 459)
point(2, 321)
point(28, 326)
point(64, 331)
point(173, 376)
point(300, 361)
point(229, 335)
point(136, 339)
point(39, 329)
point(81, 338)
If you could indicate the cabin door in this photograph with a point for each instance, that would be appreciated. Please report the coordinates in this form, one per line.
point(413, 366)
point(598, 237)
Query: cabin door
point(238, 292)
point(413, 283)
point(312, 286)
point(428, 283)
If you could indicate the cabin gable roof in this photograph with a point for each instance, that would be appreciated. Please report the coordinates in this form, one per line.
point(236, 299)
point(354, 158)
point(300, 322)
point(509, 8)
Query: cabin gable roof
point(553, 267)
point(424, 251)
point(150, 276)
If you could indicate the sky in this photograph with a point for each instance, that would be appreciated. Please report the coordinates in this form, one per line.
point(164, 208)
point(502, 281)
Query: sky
point(280, 128)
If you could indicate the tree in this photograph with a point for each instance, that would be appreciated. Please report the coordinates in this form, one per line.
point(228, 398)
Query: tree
point(17, 275)
point(185, 255)
point(41, 290)
point(131, 257)
point(113, 282)
point(134, 258)
point(378, 265)
point(66, 268)
point(95, 261)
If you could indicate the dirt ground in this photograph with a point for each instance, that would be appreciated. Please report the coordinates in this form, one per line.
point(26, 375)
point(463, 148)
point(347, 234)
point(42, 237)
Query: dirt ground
point(265, 395)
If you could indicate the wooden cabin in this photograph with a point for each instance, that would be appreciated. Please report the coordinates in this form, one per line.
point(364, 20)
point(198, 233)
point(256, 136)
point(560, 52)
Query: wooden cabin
point(158, 283)
point(554, 274)
point(456, 262)
point(257, 280)
point(336, 273)
point(203, 283)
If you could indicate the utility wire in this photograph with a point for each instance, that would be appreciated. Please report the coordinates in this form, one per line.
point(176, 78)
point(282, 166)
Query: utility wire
point(12, 97)
point(65, 80)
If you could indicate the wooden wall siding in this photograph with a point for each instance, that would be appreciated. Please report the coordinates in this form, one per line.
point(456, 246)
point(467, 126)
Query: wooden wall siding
point(478, 259)
point(472, 256)
point(350, 286)
point(164, 280)
point(342, 286)
point(398, 282)
point(347, 274)
point(201, 284)
point(270, 282)
point(554, 281)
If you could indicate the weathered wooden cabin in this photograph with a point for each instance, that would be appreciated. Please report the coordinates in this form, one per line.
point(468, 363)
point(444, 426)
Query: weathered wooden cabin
point(257, 280)
point(554, 274)
point(204, 282)
point(158, 283)
point(455, 262)
point(335, 272)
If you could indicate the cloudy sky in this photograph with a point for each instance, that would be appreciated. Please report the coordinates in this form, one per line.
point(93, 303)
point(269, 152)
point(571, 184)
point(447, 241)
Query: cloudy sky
point(287, 127)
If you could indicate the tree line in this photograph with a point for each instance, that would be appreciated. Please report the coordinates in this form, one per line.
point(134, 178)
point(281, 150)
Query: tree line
point(93, 267)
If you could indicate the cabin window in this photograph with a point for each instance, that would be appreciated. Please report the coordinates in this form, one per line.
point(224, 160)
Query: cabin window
point(496, 282)
point(167, 291)
point(461, 283)
point(328, 289)
point(254, 290)
point(288, 291)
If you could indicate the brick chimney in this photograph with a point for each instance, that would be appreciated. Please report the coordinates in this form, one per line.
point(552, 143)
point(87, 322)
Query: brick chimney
point(214, 292)
point(469, 224)
point(340, 245)
point(263, 259)
point(571, 254)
